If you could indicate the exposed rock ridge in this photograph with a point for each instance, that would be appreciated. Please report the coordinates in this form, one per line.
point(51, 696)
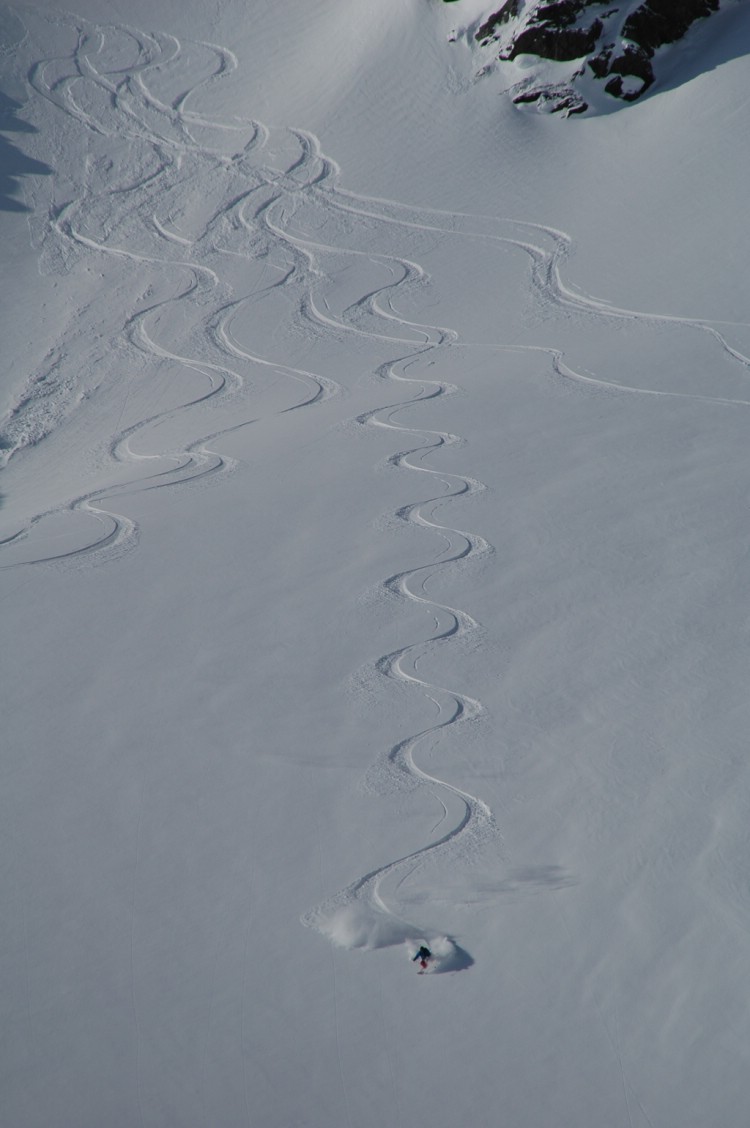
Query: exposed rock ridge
point(611, 43)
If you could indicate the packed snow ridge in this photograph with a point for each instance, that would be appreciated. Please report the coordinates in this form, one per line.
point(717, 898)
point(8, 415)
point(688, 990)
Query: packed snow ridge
point(583, 46)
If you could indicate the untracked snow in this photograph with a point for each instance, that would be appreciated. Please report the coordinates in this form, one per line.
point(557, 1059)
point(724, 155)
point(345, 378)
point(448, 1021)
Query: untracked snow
point(373, 570)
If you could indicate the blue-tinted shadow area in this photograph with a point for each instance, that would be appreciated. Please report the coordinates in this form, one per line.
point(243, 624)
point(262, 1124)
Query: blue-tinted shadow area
point(14, 163)
point(718, 40)
point(456, 960)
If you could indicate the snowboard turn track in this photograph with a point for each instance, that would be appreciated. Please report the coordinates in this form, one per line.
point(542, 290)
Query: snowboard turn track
point(215, 222)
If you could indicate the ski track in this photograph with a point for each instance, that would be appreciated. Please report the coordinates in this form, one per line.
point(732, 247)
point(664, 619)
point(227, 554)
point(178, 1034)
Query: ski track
point(359, 915)
point(113, 84)
point(94, 223)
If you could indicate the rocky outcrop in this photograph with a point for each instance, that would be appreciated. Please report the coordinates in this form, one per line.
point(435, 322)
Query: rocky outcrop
point(657, 22)
point(650, 26)
point(613, 44)
point(554, 100)
point(561, 44)
point(507, 13)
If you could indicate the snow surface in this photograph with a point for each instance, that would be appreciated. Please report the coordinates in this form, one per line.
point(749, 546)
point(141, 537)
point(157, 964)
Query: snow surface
point(374, 571)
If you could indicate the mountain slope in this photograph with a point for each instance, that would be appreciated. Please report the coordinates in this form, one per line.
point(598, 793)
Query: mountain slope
point(379, 576)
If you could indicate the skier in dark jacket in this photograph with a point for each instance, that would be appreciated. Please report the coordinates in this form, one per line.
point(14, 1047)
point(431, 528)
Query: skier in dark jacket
point(423, 955)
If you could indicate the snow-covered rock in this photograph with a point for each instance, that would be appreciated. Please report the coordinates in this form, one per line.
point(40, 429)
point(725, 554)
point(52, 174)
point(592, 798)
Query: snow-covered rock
point(617, 45)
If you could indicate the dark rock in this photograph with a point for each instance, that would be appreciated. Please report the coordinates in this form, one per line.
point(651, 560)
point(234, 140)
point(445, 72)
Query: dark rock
point(553, 99)
point(630, 93)
point(508, 12)
point(558, 44)
point(664, 21)
point(560, 13)
point(599, 64)
point(633, 61)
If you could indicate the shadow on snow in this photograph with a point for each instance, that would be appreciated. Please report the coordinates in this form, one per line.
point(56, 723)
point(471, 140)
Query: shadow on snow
point(13, 161)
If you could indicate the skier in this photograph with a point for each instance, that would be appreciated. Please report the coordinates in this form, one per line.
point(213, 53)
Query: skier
point(423, 955)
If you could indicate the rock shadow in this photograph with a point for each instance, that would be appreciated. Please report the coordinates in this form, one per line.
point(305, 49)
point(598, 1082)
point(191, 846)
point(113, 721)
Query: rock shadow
point(14, 163)
point(725, 37)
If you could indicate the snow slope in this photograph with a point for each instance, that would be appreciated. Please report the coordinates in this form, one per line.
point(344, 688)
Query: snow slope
point(373, 571)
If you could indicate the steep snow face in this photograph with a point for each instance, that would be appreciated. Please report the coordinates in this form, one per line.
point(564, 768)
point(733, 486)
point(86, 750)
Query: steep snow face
point(375, 576)
point(587, 45)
